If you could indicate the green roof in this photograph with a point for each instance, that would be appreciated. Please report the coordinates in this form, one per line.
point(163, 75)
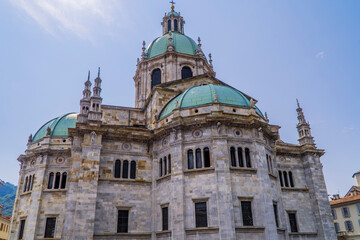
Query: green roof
point(205, 94)
point(59, 126)
point(173, 13)
point(181, 43)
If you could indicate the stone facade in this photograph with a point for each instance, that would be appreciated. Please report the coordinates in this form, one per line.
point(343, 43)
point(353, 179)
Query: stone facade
point(87, 206)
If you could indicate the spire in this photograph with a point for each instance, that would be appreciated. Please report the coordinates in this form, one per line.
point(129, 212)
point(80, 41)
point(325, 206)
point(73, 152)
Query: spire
point(210, 60)
point(97, 86)
point(87, 92)
point(143, 54)
point(303, 127)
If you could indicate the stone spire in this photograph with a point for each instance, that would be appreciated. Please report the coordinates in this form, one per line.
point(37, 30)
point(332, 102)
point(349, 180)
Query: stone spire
point(97, 86)
point(87, 91)
point(303, 127)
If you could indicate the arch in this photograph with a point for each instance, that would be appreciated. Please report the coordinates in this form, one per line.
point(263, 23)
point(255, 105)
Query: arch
point(175, 25)
point(190, 159)
point(232, 157)
point(165, 166)
point(286, 181)
point(240, 157)
point(247, 158)
point(125, 173)
point(169, 157)
point(155, 77)
point(117, 169)
point(291, 180)
point(198, 158)
point(51, 180)
point(207, 162)
point(160, 168)
point(132, 170)
point(57, 180)
point(169, 25)
point(186, 72)
point(26, 183)
point(63, 180)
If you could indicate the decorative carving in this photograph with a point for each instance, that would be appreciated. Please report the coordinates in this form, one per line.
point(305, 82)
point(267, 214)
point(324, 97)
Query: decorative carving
point(60, 160)
point(92, 138)
point(30, 138)
point(197, 133)
point(252, 102)
point(237, 132)
point(48, 131)
point(126, 146)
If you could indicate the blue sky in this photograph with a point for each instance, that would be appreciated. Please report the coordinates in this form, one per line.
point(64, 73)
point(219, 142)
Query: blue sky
point(275, 51)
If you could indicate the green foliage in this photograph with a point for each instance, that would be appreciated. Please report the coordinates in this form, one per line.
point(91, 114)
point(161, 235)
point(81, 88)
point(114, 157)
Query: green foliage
point(7, 198)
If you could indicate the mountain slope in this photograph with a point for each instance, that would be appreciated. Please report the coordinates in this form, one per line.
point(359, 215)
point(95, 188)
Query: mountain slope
point(7, 198)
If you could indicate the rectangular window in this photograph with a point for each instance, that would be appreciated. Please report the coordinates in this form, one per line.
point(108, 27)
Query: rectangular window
point(337, 227)
point(333, 212)
point(21, 230)
point(358, 207)
point(349, 226)
point(165, 218)
point(201, 214)
point(50, 227)
point(276, 214)
point(123, 219)
point(346, 212)
point(292, 221)
point(246, 213)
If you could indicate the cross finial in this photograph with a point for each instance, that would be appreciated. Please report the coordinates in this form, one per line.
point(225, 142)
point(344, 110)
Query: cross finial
point(172, 5)
point(297, 101)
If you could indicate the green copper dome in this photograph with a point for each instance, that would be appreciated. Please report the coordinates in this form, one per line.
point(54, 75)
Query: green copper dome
point(205, 94)
point(58, 126)
point(173, 13)
point(181, 43)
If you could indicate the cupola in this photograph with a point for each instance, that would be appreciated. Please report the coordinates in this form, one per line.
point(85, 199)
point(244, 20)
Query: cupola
point(173, 22)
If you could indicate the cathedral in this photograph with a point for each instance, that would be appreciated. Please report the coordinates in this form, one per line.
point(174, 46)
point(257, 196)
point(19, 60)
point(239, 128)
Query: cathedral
point(194, 159)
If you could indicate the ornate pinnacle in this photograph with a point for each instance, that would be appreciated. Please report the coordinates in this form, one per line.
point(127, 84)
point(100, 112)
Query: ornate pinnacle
point(199, 42)
point(98, 73)
point(143, 55)
point(210, 60)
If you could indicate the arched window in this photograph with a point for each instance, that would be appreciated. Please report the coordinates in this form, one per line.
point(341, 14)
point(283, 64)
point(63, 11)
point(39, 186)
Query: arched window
point(232, 157)
point(281, 179)
point(165, 166)
point(63, 180)
point(291, 179)
point(26, 183)
point(57, 180)
point(169, 157)
point(198, 158)
point(206, 157)
point(32, 183)
point(190, 159)
point(240, 157)
point(186, 72)
point(133, 170)
point(125, 173)
point(155, 77)
point(51, 180)
point(29, 183)
point(160, 168)
point(247, 158)
point(286, 179)
point(175, 25)
point(117, 169)
point(169, 25)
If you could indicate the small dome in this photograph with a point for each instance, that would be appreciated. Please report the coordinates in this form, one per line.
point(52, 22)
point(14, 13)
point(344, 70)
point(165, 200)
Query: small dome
point(205, 94)
point(58, 126)
point(181, 43)
point(176, 14)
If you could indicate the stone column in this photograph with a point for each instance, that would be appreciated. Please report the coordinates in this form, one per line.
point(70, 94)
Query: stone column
point(82, 195)
point(225, 204)
point(317, 189)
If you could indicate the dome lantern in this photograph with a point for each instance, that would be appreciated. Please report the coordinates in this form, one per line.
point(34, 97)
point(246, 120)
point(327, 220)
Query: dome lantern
point(173, 22)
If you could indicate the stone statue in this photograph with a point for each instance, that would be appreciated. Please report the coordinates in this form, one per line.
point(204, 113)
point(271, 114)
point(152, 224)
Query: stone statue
point(48, 131)
point(30, 138)
point(92, 138)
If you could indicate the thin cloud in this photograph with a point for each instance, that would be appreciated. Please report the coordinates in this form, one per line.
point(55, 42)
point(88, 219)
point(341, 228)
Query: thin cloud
point(80, 17)
point(320, 55)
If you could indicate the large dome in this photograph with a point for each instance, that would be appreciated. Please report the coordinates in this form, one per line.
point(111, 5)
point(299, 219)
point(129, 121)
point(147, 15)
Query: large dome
point(181, 43)
point(205, 94)
point(58, 126)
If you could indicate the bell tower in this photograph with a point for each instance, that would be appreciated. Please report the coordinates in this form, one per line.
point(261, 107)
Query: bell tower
point(303, 127)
